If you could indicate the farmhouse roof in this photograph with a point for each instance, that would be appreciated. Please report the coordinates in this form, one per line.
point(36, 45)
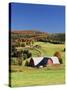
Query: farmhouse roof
point(37, 60)
point(55, 60)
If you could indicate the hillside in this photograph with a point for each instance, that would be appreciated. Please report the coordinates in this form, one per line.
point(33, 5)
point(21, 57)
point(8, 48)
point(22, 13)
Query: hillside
point(35, 35)
point(27, 32)
point(38, 36)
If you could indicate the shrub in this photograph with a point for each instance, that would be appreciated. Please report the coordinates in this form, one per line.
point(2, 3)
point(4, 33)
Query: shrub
point(13, 50)
point(14, 61)
point(24, 56)
point(60, 60)
point(26, 63)
point(23, 45)
point(37, 46)
point(64, 50)
point(58, 54)
point(17, 44)
point(29, 55)
point(25, 51)
point(19, 61)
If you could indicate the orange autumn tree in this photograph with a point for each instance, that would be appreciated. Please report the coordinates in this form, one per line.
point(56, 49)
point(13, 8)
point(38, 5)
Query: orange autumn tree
point(58, 54)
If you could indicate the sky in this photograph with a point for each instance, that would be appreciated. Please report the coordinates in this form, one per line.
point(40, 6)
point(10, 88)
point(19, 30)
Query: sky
point(45, 18)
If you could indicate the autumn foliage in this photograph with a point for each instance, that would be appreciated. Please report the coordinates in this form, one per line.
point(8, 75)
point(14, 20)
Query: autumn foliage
point(58, 54)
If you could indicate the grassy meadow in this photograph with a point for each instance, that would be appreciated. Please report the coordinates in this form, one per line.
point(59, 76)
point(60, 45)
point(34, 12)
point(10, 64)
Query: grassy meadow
point(32, 77)
point(27, 76)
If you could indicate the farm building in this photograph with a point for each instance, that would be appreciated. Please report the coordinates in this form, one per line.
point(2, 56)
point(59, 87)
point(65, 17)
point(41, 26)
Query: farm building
point(43, 61)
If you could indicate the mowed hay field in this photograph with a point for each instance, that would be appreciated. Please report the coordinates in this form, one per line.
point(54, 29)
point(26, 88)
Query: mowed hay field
point(48, 49)
point(27, 76)
point(33, 76)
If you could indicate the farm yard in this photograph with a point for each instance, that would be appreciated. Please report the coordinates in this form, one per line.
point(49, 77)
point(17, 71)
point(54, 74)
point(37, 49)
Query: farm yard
point(28, 76)
point(44, 49)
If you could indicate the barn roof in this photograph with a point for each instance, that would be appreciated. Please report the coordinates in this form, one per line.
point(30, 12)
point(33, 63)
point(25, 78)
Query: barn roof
point(55, 60)
point(37, 60)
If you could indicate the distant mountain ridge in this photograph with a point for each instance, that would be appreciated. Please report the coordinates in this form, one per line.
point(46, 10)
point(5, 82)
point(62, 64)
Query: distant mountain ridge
point(38, 36)
point(27, 32)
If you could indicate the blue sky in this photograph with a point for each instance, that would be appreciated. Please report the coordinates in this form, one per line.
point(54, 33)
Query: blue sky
point(46, 18)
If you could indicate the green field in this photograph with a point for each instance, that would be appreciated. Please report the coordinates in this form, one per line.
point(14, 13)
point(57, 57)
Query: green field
point(33, 76)
point(26, 76)
point(47, 49)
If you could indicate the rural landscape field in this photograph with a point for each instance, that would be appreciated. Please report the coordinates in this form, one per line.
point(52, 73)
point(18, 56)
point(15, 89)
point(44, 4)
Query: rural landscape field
point(22, 75)
point(36, 45)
